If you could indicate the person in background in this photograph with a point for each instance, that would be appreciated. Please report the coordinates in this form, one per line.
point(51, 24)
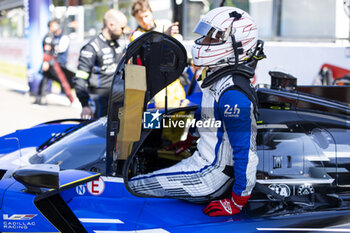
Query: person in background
point(62, 43)
point(51, 69)
point(143, 14)
point(98, 61)
point(222, 172)
point(61, 47)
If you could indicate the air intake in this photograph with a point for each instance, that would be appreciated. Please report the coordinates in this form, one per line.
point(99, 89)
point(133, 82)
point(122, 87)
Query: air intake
point(2, 173)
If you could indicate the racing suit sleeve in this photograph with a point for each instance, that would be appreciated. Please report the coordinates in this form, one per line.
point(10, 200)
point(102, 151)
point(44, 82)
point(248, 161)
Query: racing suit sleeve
point(237, 113)
point(87, 60)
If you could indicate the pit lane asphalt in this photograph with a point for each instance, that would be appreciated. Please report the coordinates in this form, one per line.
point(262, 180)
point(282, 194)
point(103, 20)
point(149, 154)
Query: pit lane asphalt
point(18, 112)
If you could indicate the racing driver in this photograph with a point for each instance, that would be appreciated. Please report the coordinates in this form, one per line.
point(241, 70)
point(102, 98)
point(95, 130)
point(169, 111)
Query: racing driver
point(222, 171)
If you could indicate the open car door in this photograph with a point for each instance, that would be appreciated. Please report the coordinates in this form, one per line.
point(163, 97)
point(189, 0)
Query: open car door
point(151, 62)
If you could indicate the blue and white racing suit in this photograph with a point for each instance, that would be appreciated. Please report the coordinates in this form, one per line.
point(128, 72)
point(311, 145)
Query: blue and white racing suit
point(207, 174)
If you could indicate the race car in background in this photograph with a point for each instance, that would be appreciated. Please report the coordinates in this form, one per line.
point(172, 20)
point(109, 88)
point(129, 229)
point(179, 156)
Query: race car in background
point(332, 75)
point(302, 143)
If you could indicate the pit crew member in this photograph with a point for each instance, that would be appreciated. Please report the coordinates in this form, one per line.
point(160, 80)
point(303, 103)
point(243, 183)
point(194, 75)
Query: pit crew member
point(97, 63)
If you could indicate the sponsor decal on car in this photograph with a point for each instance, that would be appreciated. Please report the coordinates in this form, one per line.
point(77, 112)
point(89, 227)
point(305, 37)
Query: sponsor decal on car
point(281, 189)
point(18, 221)
point(80, 189)
point(96, 187)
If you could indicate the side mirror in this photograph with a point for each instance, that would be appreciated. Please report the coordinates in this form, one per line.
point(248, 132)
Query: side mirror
point(37, 176)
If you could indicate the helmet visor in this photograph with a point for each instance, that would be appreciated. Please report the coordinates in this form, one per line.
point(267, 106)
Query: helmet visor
point(207, 30)
point(204, 40)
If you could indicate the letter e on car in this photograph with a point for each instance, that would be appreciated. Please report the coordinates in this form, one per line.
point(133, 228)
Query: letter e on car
point(96, 187)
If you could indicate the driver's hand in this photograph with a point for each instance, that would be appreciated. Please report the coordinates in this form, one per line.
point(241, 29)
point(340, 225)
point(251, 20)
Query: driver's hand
point(227, 206)
point(183, 145)
point(173, 29)
point(86, 113)
point(45, 66)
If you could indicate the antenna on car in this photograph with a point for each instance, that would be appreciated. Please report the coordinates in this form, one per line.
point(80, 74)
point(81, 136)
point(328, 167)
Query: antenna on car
point(19, 147)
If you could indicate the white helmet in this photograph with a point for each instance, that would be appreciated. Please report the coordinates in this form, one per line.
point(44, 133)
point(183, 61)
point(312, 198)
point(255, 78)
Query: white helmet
point(229, 37)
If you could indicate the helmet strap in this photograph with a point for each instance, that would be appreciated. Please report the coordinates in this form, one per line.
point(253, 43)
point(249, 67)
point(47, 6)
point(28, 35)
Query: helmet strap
point(236, 46)
point(236, 49)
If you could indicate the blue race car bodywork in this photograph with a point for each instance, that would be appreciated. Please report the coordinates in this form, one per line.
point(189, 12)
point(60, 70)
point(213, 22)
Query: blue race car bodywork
point(298, 147)
point(81, 146)
point(34, 136)
point(107, 206)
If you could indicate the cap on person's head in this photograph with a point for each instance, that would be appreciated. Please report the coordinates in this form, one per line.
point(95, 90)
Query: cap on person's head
point(140, 6)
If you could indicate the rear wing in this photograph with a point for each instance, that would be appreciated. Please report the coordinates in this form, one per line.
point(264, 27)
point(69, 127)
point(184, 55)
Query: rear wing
point(338, 93)
point(287, 82)
point(284, 93)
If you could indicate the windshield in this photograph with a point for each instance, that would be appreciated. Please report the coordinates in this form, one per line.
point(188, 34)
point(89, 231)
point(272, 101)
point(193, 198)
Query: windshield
point(78, 150)
point(59, 136)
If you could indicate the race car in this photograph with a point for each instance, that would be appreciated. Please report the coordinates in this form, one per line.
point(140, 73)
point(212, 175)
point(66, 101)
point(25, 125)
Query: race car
point(302, 180)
